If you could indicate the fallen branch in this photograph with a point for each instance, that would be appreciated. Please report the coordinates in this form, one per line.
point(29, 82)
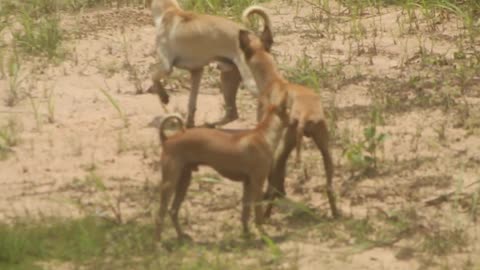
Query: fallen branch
point(445, 197)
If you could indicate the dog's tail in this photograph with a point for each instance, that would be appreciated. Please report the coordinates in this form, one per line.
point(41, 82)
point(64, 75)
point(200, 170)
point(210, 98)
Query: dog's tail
point(261, 11)
point(169, 118)
point(300, 132)
point(267, 36)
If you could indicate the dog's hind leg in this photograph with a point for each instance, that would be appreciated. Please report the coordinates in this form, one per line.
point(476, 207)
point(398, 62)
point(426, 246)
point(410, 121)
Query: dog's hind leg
point(170, 178)
point(321, 137)
point(196, 77)
point(247, 76)
point(230, 81)
point(276, 179)
point(180, 194)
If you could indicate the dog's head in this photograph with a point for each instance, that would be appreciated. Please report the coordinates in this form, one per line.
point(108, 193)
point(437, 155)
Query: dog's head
point(255, 50)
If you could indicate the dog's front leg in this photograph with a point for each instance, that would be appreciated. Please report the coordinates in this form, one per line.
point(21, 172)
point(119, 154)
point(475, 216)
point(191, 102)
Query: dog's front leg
point(170, 176)
point(246, 205)
point(276, 179)
point(196, 77)
point(161, 69)
point(321, 137)
point(257, 198)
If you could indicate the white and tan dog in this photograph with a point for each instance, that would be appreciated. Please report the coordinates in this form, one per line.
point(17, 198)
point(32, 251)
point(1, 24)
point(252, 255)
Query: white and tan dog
point(190, 41)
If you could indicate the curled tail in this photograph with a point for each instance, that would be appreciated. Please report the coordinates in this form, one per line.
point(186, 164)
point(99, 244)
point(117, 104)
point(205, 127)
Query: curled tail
point(300, 132)
point(169, 118)
point(267, 36)
point(262, 12)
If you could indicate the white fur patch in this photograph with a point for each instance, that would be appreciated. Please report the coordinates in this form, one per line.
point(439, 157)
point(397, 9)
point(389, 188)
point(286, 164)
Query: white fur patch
point(158, 21)
point(173, 29)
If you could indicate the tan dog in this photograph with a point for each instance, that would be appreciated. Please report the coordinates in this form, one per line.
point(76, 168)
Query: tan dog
point(190, 41)
point(306, 116)
point(245, 156)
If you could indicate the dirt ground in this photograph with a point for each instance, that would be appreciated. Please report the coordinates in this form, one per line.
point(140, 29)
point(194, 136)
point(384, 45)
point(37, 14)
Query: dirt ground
point(430, 149)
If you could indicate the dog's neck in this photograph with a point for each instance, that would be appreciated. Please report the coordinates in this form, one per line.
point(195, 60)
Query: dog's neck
point(271, 128)
point(266, 75)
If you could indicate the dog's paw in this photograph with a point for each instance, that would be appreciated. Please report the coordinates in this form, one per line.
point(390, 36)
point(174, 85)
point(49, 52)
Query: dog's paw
point(221, 122)
point(189, 124)
point(247, 235)
point(185, 238)
point(337, 213)
point(164, 97)
point(268, 213)
point(155, 89)
point(208, 125)
point(251, 86)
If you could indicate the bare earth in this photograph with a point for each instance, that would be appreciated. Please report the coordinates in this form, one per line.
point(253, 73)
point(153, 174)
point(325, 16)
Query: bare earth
point(429, 151)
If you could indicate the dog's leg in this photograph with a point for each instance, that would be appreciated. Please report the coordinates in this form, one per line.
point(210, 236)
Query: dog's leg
point(260, 110)
point(257, 198)
point(170, 177)
point(247, 76)
point(148, 3)
point(180, 194)
point(230, 81)
point(159, 72)
point(162, 68)
point(276, 179)
point(321, 137)
point(196, 77)
point(246, 205)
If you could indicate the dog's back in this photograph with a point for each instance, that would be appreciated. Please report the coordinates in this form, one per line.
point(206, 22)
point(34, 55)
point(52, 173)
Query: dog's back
point(212, 37)
point(227, 152)
point(305, 103)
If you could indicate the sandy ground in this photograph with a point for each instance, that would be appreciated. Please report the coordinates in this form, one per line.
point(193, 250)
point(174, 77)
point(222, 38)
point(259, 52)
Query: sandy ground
point(49, 172)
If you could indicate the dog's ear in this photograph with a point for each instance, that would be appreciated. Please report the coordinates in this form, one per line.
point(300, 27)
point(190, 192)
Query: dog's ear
point(267, 39)
point(244, 39)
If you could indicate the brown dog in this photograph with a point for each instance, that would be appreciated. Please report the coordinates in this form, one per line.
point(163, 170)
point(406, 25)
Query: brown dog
point(245, 156)
point(190, 41)
point(306, 116)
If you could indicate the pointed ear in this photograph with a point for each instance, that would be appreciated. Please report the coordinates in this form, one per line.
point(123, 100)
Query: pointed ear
point(267, 39)
point(244, 39)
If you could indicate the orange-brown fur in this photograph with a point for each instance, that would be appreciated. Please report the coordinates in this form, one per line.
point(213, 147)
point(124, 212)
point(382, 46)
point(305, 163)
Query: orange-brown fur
point(306, 116)
point(244, 156)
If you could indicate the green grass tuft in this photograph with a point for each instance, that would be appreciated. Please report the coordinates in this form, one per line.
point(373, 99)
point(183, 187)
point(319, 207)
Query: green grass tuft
point(41, 36)
point(77, 241)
